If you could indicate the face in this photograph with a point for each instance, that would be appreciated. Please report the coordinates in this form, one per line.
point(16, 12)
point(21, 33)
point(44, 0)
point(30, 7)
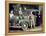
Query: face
point(24, 8)
point(20, 8)
point(11, 11)
point(31, 12)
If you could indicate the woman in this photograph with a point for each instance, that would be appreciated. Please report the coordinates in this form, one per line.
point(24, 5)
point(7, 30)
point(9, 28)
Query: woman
point(12, 18)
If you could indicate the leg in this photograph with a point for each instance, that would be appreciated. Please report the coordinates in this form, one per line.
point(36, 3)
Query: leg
point(31, 23)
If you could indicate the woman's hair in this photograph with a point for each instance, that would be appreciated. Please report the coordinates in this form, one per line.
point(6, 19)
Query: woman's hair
point(33, 13)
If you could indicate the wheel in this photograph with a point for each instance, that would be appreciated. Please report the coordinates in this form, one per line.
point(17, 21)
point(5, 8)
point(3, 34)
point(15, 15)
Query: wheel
point(24, 26)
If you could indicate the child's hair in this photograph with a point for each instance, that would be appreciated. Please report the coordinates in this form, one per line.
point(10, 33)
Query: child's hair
point(29, 17)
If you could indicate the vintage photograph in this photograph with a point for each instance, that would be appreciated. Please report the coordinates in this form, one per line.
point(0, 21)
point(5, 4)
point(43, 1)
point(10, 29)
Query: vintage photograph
point(25, 17)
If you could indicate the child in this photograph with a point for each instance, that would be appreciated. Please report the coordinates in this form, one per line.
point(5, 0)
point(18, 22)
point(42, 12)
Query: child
point(32, 21)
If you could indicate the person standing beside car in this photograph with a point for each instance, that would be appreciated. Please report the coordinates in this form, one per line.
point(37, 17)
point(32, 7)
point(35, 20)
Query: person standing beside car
point(12, 18)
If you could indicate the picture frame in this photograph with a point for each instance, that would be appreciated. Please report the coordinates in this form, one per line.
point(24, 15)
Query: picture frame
point(7, 32)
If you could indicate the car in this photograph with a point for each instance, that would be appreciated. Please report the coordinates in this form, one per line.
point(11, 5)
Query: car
point(22, 21)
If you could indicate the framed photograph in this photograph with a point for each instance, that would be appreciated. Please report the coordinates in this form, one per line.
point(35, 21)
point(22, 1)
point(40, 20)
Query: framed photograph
point(24, 17)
